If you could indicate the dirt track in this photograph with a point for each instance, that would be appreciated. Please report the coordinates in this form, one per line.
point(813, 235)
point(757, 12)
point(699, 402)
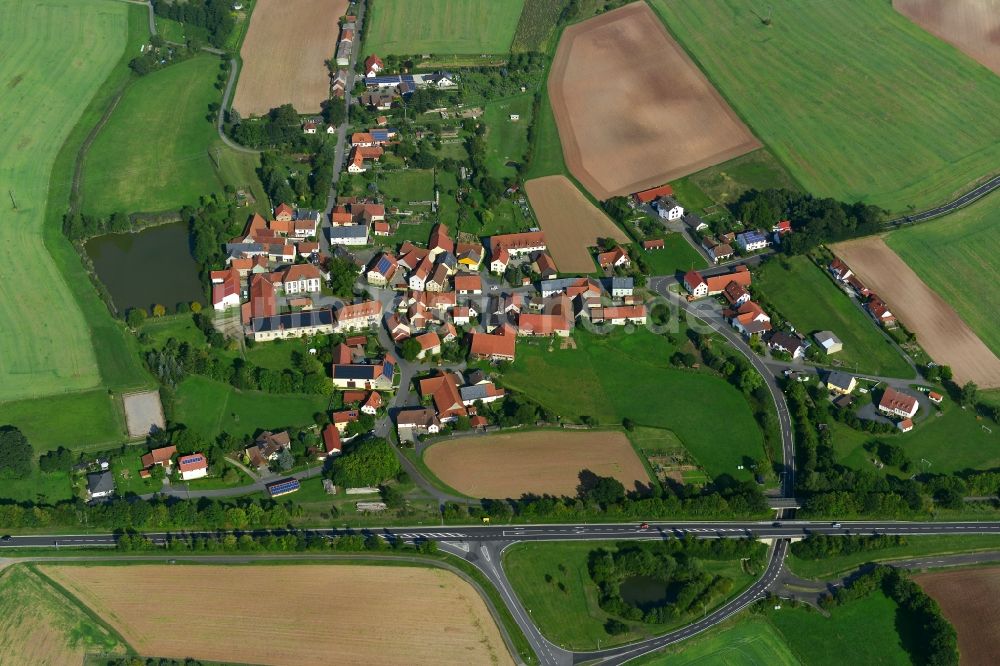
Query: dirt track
point(284, 55)
point(939, 329)
point(973, 26)
point(500, 466)
point(292, 614)
point(633, 110)
point(970, 600)
point(570, 222)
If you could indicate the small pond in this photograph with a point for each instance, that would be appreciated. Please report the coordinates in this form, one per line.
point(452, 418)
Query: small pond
point(152, 266)
point(645, 592)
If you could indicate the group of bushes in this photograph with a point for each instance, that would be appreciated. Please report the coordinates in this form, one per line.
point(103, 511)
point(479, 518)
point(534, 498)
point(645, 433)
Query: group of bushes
point(821, 546)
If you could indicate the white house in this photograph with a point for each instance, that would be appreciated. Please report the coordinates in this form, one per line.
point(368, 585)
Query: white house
point(751, 241)
point(100, 484)
point(302, 279)
point(695, 284)
point(192, 466)
point(896, 403)
point(352, 234)
point(669, 209)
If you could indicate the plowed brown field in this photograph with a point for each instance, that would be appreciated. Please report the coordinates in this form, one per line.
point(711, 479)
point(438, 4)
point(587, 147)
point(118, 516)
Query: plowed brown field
point(971, 25)
point(970, 600)
point(939, 329)
point(633, 110)
point(343, 614)
point(533, 462)
point(284, 55)
point(570, 222)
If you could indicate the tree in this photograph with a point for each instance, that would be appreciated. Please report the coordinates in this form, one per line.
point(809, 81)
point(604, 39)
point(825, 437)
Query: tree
point(343, 274)
point(135, 318)
point(195, 307)
point(285, 460)
point(59, 460)
point(750, 381)
point(969, 394)
point(368, 464)
point(410, 349)
point(615, 627)
point(16, 453)
point(159, 310)
point(605, 490)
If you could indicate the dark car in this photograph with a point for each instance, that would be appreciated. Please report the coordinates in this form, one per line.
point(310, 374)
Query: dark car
point(6, 537)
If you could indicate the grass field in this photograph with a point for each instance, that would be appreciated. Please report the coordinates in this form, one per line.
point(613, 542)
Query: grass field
point(917, 546)
point(758, 170)
point(866, 114)
point(158, 150)
point(959, 258)
point(676, 255)
point(38, 625)
point(751, 641)
point(861, 632)
point(621, 375)
point(811, 302)
point(405, 185)
point(572, 617)
point(507, 140)
point(404, 27)
point(313, 611)
point(47, 347)
point(210, 407)
point(79, 421)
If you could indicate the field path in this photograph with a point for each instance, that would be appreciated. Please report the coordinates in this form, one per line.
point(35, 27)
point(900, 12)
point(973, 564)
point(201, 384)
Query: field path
point(939, 329)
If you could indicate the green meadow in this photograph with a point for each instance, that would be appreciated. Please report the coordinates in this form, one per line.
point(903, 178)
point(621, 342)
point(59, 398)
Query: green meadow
point(405, 27)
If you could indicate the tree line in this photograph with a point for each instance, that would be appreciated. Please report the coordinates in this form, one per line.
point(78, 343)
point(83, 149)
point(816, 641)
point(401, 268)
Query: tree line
point(822, 546)
point(216, 16)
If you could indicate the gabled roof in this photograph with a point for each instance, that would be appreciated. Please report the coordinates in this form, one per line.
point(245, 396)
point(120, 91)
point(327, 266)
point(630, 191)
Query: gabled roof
point(331, 439)
point(159, 456)
point(192, 462)
point(893, 400)
point(488, 346)
point(645, 196)
point(298, 272)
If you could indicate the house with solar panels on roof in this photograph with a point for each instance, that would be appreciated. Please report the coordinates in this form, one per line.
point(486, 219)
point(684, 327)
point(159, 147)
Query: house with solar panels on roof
point(370, 375)
point(192, 466)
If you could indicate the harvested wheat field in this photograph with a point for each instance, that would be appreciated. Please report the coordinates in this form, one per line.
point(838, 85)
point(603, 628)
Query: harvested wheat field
point(321, 614)
point(570, 222)
point(533, 462)
point(633, 110)
point(285, 53)
point(973, 26)
point(970, 600)
point(939, 329)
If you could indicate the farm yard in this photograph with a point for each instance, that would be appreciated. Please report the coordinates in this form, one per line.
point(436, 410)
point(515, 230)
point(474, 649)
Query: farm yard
point(41, 353)
point(312, 611)
point(969, 600)
point(973, 26)
point(404, 27)
point(539, 462)
point(959, 258)
point(811, 302)
point(158, 150)
point(275, 72)
point(553, 580)
point(898, 137)
point(603, 371)
point(633, 110)
point(939, 329)
point(571, 224)
point(39, 626)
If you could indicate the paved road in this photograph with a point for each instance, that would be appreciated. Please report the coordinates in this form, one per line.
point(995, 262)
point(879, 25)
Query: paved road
point(960, 202)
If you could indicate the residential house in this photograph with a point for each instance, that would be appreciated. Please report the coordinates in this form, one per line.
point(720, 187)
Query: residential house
point(545, 266)
point(897, 403)
point(382, 270)
point(695, 284)
point(100, 485)
point(749, 319)
point(161, 456)
point(440, 241)
point(301, 278)
point(695, 223)
point(841, 383)
point(620, 315)
point(720, 252)
point(751, 241)
point(621, 287)
point(373, 65)
point(343, 418)
point(499, 261)
point(652, 194)
point(484, 393)
point(520, 243)
point(470, 284)
point(358, 316)
point(267, 447)
point(787, 343)
point(906, 425)
point(839, 270)
point(374, 376)
point(461, 316)
point(438, 280)
point(616, 258)
point(736, 294)
point(469, 255)
point(192, 466)
point(309, 127)
point(420, 420)
point(430, 345)
point(418, 278)
point(226, 289)
point(668, 208)
point(878, 309)
point(372, 404)
point(828, 342)
point(331, 441)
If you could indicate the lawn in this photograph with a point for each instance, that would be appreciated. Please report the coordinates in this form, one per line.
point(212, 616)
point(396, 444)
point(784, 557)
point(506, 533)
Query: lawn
point(404, 27)
point(861, 632)
point(87, 420)
point(210, 407)
point(958, 257)
point(676, 255)
point(506, 139)
point(571, 617)
point(811, 302)
point(180, 33)
point(918, 546)
point(159, 148)
point(750, 642)
point(952, 442)
point(547, 156)
point(405, 185)
point(47, 345)
point(856, 100)
point(628, 376)
point(757, 170)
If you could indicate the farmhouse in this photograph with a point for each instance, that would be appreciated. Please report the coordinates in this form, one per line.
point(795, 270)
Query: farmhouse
point(292, 325)
point(751, 241)
point(301, 278)
point(699, 286)
point(622, 287)
point(828, 342)
point(896, 403)
point(443, 390)
point(545, 266)
point(492, 347)
point(430, 345)
point(668, 208)
point(418, 420)
point(331, 441)
point(100, 485)
point(382, 270)
point(370, 376)
point(468, 284)
point(193, 466)
point(516, 244)
point(226, 289)
point(485, 393)
point(652, 194)
point(841, 383)
point(620, 315)
point(355, 234)
point(572, 287)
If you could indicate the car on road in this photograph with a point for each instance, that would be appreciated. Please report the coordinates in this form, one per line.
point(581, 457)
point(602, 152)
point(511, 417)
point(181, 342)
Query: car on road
point(776, 524)
point(644, 526)
point(836, 525)
point(6, 537)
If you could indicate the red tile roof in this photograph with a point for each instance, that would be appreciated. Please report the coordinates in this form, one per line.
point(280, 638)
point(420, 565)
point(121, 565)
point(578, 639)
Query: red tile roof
point(159, 456)
point(192, 462)
point(331, 439)
point(651, 194)
point(654, 244)
point(483, 345)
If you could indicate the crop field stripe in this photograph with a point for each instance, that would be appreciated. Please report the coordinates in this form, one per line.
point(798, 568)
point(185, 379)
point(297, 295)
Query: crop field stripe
point(970, 25)
point(884, 125)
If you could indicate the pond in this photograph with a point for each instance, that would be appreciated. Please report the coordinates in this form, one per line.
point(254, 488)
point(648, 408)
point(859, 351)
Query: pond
point(645, 592)
point(149, 267)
